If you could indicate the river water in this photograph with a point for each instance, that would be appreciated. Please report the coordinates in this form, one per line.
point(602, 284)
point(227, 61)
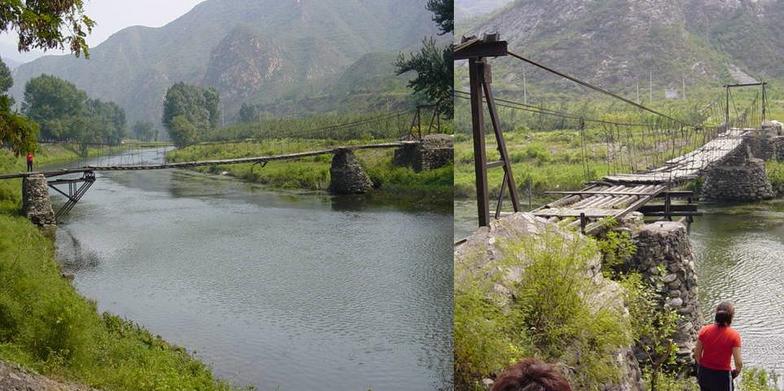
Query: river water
point(279, 290)
point(739, 258)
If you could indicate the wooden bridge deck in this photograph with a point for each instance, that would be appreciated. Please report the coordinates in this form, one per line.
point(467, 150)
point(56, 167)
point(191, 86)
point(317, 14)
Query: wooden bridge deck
point(617, 195)
point(191, 164)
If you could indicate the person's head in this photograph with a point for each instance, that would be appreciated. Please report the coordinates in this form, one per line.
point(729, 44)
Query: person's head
point(531, 375)
point(724, 314)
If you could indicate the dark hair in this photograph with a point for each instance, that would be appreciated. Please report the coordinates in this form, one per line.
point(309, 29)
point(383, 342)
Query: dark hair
point(724, 313)
point(531, 375)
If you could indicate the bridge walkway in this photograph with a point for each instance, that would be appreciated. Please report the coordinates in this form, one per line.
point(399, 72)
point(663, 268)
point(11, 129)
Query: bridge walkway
point(614, 196)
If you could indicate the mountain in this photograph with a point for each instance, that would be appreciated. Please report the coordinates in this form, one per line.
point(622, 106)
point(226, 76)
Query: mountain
point(465, 10)
point(618, 43)
point(256, 51)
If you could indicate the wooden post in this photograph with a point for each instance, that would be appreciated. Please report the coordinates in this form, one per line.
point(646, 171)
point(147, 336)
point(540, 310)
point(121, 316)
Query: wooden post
point(475, 75)
point(480, 77)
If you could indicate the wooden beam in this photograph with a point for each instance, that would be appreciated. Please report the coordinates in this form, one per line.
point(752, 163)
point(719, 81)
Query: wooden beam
point(479, 49)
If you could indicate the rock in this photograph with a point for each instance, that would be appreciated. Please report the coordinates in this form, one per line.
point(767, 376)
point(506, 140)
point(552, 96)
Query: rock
point(481, 252)
point(741, 177)
point(36, 204)
point(13, 378)
point(433, 151)
point(669, 278)
point(347, 176)
point(666, 245)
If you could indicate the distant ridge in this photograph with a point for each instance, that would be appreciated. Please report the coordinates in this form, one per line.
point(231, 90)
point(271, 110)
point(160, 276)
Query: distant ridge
point(250, 50)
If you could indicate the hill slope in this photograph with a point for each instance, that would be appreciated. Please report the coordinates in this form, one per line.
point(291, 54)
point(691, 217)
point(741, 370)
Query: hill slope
point(254, 50)
point(617, 43)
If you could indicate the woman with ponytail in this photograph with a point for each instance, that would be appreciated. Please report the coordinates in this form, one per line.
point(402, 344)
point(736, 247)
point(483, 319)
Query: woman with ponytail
point(717, 345)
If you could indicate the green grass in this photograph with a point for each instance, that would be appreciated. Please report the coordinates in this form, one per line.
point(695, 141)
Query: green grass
point(313, 173)
point(46, 326)
point(548, 314)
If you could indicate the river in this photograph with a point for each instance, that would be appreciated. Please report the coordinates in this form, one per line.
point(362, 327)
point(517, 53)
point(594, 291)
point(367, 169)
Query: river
point(280, 290)
point(739, 252)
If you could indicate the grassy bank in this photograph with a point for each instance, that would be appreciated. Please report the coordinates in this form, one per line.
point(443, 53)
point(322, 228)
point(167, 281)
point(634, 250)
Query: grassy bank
point(434, 186)
point(45, 325)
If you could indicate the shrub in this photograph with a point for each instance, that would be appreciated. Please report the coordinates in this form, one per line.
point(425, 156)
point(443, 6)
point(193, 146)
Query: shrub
point(550, 316)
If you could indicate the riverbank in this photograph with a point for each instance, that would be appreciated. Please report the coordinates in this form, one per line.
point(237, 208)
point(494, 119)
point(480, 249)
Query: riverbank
point(47, 326)
point(402, 184)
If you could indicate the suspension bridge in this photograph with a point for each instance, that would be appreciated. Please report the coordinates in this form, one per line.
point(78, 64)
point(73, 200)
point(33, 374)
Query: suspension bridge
point(646, 159)
point(414, 144)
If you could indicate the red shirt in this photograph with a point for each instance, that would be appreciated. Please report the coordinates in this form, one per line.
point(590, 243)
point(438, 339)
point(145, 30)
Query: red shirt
point(717, 344)
point(29, 156)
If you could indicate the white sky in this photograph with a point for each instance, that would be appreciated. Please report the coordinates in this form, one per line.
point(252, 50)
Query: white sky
point(110, 16)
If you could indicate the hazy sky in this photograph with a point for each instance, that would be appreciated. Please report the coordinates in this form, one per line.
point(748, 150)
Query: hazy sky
point(111, 16)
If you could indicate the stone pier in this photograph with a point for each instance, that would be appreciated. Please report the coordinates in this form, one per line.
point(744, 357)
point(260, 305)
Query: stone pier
point(347, 176)
point(665, 260)
point(435, 150)
point(36, 204)
point(741, 177)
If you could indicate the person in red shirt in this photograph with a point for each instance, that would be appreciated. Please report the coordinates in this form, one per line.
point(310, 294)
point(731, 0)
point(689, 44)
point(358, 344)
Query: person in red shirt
point(29, 161)
point(717, 345)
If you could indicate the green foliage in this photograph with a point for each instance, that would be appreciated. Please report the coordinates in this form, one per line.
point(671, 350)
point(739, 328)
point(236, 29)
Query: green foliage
point(47, 25)
point(435, 74)
point(6, 80)
point(144, 131)
point(343, 127)
point(670, 382)
point(17, 132)
point(189, 111)
point(653, 326)
point(616, 247)
point(66, 113)
point(755, 379)
point(249, 113)
point(550, 315)
point(775, 171)
point(46, 325)
point(443, 14)
point(434, 66)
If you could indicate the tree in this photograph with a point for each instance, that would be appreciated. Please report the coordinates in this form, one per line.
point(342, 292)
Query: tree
point(182, 131)
point(144, 130)
point(249, 113)
point(55, 104)
point(47, 24)
point(443, 14)
point(198, 107)
point(66, 113)
point(435, 69)
point(212, 103)
point(16, 131)
point(434, 66)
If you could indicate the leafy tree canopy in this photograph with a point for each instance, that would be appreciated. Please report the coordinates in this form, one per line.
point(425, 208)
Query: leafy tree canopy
point(145, 131)
point(47, 25)
point(16, 131)
point(196, 110)
point(443, 14)
point(66, 113)
point(435, 68)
